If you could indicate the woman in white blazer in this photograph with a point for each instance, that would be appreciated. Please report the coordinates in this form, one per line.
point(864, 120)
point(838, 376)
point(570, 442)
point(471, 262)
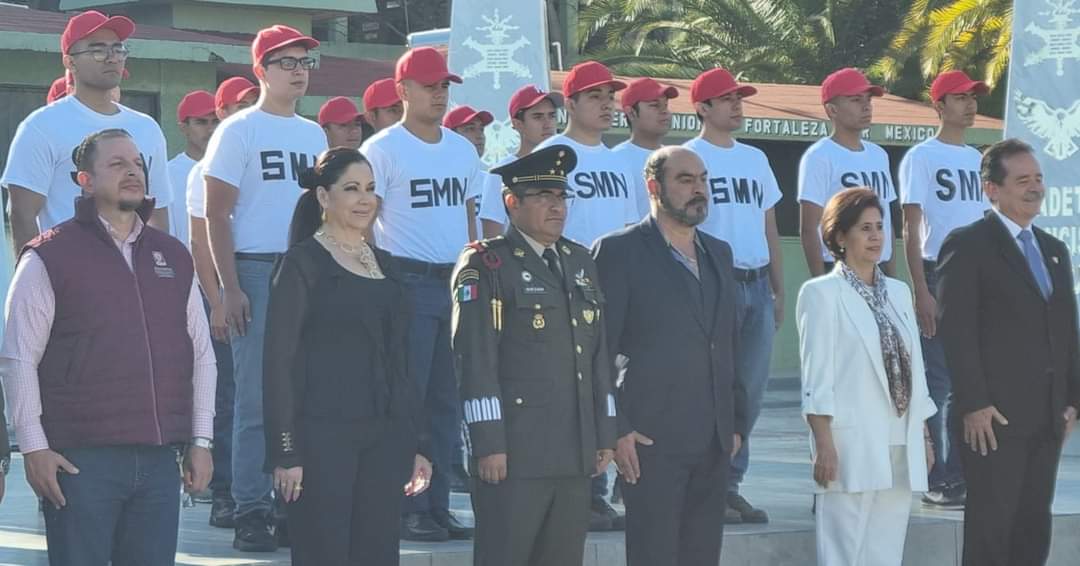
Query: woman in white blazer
point(864, 392)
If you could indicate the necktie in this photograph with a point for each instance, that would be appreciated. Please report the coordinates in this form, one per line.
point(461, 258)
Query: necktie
point(1035, 262)
point(552, 261)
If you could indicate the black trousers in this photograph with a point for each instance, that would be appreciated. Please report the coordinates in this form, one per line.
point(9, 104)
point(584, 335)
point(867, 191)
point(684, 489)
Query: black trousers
point(675, 512)
point(531, 522)
point(1007, 518)
point(350, 508)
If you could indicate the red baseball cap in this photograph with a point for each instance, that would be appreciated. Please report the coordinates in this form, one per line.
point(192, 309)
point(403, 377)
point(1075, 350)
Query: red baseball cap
point(847, 82)
point(195, 103)
point(338, 110)
point(715, 83)
point(278, 37)
point(464, 114)
point(380, 94)
point(424, 65)
point(58, 90)
point(955, 82)
point(530, 95)
point(645, 89)
point(589, 75)
point(86, 23)
point(232, 90)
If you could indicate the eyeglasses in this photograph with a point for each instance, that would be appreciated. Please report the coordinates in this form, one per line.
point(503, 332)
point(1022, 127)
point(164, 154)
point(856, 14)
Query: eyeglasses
point(549, 197)
point(290, 63)
point(100, 53)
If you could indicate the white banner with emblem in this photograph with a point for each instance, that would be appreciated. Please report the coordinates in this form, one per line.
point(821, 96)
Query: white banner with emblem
point(1043, 107)
point(497, 46)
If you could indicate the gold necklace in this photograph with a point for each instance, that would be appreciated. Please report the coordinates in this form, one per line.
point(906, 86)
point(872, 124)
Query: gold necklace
point(362, 254)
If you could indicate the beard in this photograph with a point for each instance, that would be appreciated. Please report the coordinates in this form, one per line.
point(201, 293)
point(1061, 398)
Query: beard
point(129, 205)
point(685, 215)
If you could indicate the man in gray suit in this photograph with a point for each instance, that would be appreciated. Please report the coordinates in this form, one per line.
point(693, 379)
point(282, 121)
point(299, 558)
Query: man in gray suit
point(681, 412)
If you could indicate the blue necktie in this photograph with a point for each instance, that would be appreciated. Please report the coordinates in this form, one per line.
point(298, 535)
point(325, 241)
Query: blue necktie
point(1035, 262)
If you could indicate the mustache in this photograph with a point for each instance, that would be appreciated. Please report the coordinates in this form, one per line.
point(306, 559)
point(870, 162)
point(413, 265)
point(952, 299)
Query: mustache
point(697, 200)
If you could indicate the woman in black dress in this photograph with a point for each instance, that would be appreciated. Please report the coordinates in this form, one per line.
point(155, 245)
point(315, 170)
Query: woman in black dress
point(342, 419)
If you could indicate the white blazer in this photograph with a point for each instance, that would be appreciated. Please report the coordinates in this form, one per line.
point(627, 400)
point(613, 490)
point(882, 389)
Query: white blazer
point(843, 375)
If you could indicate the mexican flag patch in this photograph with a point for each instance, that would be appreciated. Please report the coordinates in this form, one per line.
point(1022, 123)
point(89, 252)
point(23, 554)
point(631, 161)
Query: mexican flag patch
point(467, 292)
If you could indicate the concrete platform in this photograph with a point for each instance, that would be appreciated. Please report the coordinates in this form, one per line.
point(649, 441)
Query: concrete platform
point(779, 481)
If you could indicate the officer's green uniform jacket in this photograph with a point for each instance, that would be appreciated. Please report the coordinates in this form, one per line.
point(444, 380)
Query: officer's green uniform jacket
point(532, 362)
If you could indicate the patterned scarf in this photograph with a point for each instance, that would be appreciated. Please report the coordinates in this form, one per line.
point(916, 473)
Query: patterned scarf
point(893, 352)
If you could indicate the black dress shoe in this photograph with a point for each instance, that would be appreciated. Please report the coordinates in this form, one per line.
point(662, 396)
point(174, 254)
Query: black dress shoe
point(454, 528)
point(421, 527)
point(222, 510)
point(747, 512)
point(254, 534)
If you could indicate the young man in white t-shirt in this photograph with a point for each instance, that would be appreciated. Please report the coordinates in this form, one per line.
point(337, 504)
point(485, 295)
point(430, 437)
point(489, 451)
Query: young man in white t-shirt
point(602, 184)
point(232, 95)
point(427, 179)
point(743, 193)
point(941, 191)
point(842, 161)
point(197, 120)
point(534, 115)
point(382, 105)
point(645, 102)
point(342, 122)
point(39, 175)
point(251, 169)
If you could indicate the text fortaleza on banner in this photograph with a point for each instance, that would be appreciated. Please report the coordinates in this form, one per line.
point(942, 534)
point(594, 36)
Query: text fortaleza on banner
point(1043, 107)
point(497, 47)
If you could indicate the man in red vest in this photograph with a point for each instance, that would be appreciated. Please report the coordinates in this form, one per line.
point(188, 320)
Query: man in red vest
point(108, 364)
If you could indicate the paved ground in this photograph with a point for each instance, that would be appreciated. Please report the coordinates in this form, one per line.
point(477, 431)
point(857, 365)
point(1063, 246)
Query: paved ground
point(778, 481)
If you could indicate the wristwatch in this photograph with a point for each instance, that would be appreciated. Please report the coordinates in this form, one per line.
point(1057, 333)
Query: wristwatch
point(202, 442)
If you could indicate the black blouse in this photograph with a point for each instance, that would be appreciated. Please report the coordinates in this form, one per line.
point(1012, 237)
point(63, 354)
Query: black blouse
point(335, 350)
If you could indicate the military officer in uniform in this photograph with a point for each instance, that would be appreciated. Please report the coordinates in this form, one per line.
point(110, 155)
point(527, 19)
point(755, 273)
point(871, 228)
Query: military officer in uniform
point(530, 351)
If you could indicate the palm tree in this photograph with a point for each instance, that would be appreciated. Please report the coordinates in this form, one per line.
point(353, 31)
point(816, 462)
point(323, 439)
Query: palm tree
point(940, 35)
point(760, 40)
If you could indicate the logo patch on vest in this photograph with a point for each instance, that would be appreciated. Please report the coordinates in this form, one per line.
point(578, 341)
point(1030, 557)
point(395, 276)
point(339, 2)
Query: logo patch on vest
point(161, 267)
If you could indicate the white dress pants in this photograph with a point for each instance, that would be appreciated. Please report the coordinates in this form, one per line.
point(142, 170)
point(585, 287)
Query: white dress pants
point(867, 528)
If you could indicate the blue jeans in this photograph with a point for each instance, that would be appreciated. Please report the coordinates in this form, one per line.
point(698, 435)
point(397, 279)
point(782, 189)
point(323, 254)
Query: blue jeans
point(251, 485)
point(224, 397)
point(755, 329)
point(123, 505)
point(947, 468)
point(431, 365)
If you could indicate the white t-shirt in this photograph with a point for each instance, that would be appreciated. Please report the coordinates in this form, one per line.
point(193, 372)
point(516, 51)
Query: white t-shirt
point(742, 187)
point(491, 205)
point(943, 179)
point(179, 167)
point(828, 167)
point(635, 157)
point(424, 188)
point(602, 185)
point(196, 190)
point(40, 155)
point(262, 155)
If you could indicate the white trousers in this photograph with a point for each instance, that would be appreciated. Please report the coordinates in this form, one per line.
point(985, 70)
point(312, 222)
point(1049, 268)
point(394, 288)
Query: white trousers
point(867, 528)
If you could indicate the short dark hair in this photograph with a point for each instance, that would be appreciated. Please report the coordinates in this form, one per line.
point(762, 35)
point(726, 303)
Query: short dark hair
point(993, 159)
point(84, 154)
point(656, 165)
point(842, 212)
